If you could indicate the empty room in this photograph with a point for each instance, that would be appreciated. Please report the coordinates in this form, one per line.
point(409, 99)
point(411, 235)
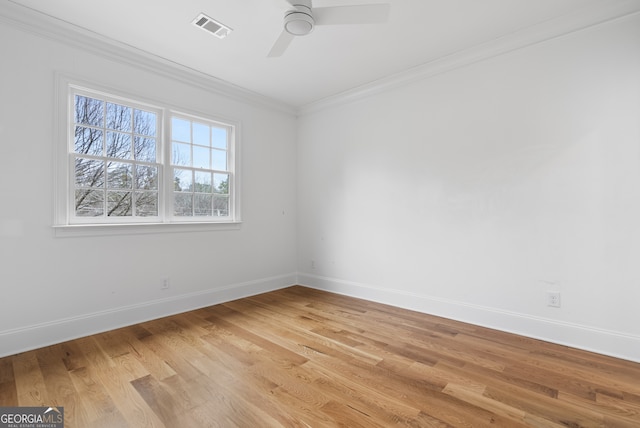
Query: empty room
point(356, 213)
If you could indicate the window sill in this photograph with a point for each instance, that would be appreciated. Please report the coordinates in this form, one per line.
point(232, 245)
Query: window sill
point(65, 231)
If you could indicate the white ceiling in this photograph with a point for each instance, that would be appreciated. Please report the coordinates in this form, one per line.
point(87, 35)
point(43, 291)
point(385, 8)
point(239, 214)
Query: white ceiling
point(330, 60)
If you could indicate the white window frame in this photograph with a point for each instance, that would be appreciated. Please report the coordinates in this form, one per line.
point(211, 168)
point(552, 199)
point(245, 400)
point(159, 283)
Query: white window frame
point(67, 224)
point(230, 161)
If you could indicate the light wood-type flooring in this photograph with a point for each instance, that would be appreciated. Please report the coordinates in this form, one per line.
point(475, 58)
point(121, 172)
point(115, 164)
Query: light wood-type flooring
point(299, 357)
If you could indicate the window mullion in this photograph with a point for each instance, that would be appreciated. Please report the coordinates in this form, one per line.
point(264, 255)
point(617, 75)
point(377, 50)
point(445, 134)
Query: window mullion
point(167, 166)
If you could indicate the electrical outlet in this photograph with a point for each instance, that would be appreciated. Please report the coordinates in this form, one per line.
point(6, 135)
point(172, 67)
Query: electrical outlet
point(553, 299)
point(313, 264)
point(165, 284)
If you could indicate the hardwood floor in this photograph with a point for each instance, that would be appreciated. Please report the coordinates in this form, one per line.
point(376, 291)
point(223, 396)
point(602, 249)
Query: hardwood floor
point(304, 358)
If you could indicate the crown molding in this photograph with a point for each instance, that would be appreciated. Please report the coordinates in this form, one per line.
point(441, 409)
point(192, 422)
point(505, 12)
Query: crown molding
point(551, 29)
point(42, 25)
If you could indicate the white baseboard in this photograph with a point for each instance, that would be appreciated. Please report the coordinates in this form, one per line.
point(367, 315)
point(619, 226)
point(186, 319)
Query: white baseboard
point(606, 342)
point(61, 330)
point(601, 341)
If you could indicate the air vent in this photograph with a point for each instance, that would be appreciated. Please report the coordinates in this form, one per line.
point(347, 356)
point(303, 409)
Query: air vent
point(212, 26)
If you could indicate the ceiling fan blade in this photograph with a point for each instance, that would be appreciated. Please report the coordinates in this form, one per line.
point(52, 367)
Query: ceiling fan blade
point(356, 14)
point(281, 44)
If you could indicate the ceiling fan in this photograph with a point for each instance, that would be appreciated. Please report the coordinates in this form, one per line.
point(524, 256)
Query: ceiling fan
point(302, 19)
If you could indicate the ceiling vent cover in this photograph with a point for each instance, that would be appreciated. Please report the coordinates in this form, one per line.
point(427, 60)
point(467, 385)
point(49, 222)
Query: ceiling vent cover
point(212, 26)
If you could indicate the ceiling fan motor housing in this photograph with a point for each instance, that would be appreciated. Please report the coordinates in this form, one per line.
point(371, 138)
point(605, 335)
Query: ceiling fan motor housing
point(299, 20)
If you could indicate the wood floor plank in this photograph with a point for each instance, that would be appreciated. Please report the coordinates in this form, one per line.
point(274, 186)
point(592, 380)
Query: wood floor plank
point(130, 404)
point(238, 386)
point(170, 349)
point(153, 363)
point(619, 406)
point(300, 357)
point(94, 401)
point(60, 387)
point(8, 391)
point(620, 414)
point(6, 371)
point(98, 404)
point(159, 400)
point(29, 381)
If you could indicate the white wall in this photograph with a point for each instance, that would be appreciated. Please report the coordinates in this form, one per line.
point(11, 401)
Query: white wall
point(56, 288)
point(472, 193)
point(468, 194)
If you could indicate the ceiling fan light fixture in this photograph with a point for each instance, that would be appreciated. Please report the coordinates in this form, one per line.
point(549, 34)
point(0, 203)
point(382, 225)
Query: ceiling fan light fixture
point(298, 23)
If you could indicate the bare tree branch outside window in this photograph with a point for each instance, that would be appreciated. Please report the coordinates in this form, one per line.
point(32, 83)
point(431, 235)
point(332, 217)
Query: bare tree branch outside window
point(115, 163)
point(122, 166)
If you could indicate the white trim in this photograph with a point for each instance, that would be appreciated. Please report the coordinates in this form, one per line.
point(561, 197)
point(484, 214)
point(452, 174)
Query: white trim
point(593, 339)
point(46, 26)
point(67, 231)
point(602, 341)
point(66, 224)
point(542, 32)
point(231, 167)
point(75, 90)
point(36, 336)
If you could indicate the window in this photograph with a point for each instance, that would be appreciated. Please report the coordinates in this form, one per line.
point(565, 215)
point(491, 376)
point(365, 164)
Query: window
point(129, 162)
point(114, 153)
point(200, 165)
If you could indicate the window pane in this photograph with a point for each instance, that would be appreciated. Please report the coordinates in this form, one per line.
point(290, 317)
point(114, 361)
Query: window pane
point(89, 173)
point(147, 204)
point(201, 134)
point(221, 206)
point(119, 204)
point(180, 130)
point(145, 149)
point(118, 145)
point(202, 182)
point(183, 204)
point(88, 141)
point(219, 138)
point(202, 205)
point(201, 157)
point(89, 111)
point(119, 175)
point(118, 117)
point(221, 183)
point(118, 157)
point(182, 180)
point(89, 203)
point(144, 123)
point(220, 160)
point(146, 177)
point(181, 154)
